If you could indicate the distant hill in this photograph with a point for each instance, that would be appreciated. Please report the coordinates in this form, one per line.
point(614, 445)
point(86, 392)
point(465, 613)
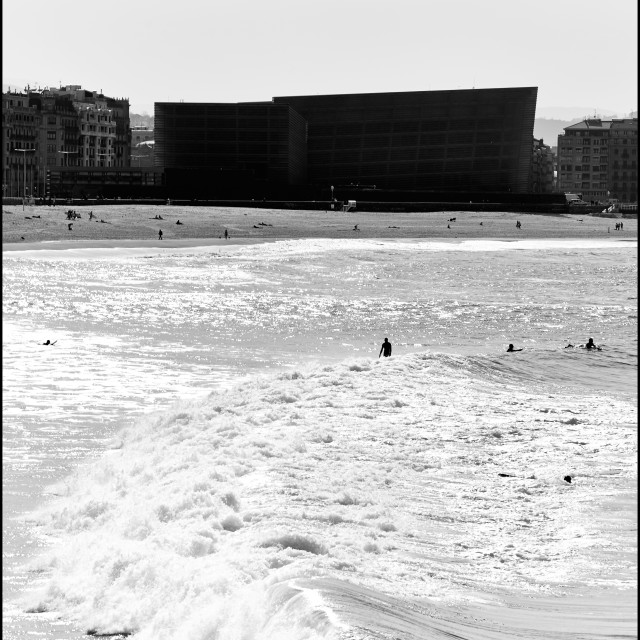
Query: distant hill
point(549, 129)
point(138, 120)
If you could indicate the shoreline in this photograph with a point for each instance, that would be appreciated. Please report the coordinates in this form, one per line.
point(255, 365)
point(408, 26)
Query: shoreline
point(124, 225)
point(194, 243)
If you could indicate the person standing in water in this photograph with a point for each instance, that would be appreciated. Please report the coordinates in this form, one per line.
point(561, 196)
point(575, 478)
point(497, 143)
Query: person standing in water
point(385, 349)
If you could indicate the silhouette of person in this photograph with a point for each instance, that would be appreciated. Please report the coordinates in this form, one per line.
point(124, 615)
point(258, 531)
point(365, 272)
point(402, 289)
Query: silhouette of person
point(385, 349)
point(160, 234)
point(48, 342)
point(178, 222)
point(226, 234)
point(590, 345)
point(70, 226)
point(511, 349)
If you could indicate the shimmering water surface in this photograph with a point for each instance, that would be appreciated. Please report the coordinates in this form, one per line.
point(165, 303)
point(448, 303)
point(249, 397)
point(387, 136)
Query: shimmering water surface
point(303, 488)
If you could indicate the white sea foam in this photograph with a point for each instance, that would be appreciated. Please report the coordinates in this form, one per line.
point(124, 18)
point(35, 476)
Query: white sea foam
point(382, 472)
point(300, 487)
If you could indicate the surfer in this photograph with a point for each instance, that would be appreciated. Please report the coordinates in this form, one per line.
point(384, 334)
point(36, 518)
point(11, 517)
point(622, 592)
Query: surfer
point(49, 343)
point(590, 345)
point(510, 349)
point(385, 349)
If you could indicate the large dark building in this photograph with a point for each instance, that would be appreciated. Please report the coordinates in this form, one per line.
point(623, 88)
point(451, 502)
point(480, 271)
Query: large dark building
point(476, 140)
point(212, 146)
point(472, 140)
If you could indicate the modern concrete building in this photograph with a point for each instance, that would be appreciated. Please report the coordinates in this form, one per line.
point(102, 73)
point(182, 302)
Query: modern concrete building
point(475, 140)
point(469, 140)
point(205, 147)
point(599, 159)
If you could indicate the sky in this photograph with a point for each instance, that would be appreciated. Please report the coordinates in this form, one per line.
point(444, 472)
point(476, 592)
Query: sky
point(582, 56)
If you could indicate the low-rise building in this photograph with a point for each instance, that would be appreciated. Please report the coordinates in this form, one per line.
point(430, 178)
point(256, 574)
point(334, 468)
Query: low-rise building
point(142, 146)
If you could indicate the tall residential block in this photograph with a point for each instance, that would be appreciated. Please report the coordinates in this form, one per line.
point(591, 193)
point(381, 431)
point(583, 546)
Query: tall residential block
point(599, 159)
point(21, 146)
point(71, 127)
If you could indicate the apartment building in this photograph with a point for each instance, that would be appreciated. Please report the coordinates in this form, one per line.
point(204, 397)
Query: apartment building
point(542, 168)
point(623, 160)
point(67, 128)
point(598, 158)
point(21, 146)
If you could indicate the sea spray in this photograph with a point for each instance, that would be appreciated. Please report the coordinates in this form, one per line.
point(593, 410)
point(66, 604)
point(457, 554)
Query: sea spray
point(206, 504)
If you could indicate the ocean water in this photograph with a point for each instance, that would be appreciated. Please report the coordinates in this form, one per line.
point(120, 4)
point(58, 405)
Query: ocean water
point(213, 450)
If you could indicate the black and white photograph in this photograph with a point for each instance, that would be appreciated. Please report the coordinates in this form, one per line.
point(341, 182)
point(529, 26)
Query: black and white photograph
point(319, 320)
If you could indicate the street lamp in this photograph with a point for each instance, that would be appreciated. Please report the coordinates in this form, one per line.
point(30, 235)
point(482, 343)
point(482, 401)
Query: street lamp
point(24, 175)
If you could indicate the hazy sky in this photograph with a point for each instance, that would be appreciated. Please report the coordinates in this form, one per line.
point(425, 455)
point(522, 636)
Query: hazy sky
point(580, 55)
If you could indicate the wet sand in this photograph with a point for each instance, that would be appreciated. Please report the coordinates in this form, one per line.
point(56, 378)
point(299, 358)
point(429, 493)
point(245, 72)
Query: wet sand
point(135, 225)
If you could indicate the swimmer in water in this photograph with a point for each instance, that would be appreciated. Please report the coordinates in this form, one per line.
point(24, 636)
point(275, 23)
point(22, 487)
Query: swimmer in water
point(49, 343)
point(591, 345)
point(510, 349)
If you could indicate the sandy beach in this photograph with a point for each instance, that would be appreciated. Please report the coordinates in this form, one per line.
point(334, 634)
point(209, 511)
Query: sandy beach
point(118, 225)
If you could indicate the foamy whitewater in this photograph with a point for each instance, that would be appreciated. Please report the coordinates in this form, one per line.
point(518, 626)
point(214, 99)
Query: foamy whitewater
point(213, 450)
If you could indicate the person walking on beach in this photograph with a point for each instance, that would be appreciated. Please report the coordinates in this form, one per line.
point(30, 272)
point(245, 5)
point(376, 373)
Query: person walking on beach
point(160, 234)
point(385, 349)
point(226, 234)
point(510, 349)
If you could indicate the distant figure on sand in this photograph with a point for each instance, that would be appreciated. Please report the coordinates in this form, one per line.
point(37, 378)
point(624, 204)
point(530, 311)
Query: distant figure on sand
point(385, 349)
point(178, 222)
point(510, 349)
point(355, 228)
point(48, 342)
point(71, 226)
point(160, 234)
point(226, 234)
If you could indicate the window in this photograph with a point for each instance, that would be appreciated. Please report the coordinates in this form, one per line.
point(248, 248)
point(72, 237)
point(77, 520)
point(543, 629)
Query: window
point(51, 135)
